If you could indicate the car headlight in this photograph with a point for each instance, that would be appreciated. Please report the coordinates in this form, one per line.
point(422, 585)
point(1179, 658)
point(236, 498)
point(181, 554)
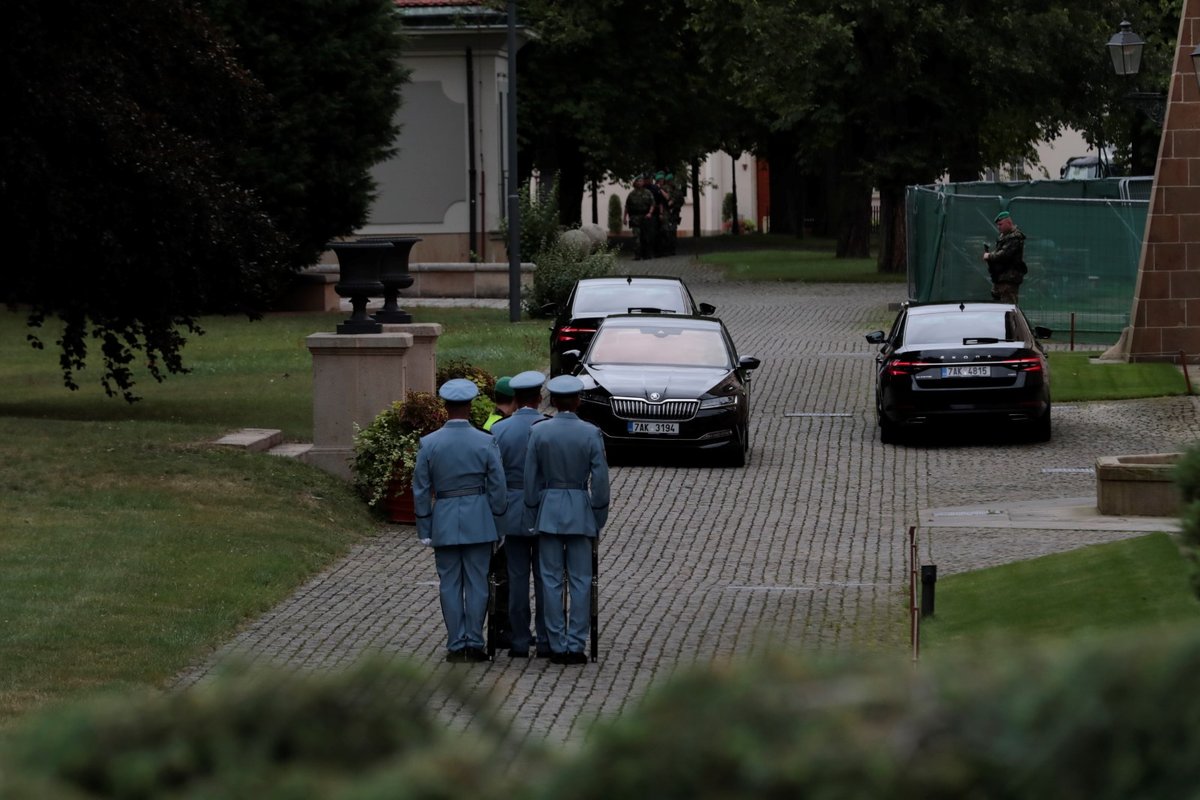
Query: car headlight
point(719, 402)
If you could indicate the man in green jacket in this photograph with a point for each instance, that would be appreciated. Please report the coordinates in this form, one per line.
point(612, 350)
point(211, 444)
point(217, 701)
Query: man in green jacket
point(1006, 264)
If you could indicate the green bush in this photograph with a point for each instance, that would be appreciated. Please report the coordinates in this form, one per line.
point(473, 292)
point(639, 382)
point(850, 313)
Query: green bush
point(558, 267)
point(727, 207)
point(266, 735)
point(616, 215)
point(1103, 720)
point(1187, 477)
point(539, 222)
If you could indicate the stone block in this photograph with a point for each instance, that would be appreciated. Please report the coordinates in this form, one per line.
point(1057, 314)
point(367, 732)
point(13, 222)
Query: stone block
point(1138, 485)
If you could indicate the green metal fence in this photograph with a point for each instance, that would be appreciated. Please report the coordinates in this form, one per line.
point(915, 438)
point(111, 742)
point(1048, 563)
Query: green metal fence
point(1083, 240)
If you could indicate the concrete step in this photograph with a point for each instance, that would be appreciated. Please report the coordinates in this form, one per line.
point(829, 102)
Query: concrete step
point(291, 450)
point(256, 440)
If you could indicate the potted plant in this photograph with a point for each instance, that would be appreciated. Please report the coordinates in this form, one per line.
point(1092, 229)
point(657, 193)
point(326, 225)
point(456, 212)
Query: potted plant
point(385, 453)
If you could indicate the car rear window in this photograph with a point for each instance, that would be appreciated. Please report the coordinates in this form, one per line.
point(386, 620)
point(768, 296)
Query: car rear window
point(956, 326)
point(659, 346)
point(620, 298)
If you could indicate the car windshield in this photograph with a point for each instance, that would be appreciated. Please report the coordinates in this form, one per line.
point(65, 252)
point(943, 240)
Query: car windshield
point(619, 298)
point(957, 326)
point(659, 346)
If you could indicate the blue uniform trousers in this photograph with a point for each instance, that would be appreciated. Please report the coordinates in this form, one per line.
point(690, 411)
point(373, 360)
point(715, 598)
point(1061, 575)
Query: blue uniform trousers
point(522, 553)
point(462, 570)
point(570, 554)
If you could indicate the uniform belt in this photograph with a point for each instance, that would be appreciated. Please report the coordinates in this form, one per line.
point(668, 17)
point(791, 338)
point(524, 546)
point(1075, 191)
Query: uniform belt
point(516, 485)
point(561, 485)
point(460, 492)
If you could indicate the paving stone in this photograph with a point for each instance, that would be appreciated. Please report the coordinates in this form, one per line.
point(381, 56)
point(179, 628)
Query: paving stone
point(805, 549)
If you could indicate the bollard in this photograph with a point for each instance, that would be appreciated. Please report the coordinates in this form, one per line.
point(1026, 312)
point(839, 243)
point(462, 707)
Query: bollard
point(928, 579)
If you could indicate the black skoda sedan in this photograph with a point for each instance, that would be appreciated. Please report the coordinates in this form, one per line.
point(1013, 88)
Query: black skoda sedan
point(666, 381)
point(593, 299)
point(969, 361)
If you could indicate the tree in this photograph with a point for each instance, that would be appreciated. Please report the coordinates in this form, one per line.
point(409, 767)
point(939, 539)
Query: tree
point(333, 74)
point(130, 199)
point(901, 93)
point(610, 87)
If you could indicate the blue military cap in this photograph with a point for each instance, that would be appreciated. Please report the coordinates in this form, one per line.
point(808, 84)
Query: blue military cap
point(529, 379)
point(565, 384)
point(458, 390)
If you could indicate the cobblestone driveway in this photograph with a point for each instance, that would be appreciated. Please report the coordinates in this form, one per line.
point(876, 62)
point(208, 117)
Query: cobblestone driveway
point(803, 549)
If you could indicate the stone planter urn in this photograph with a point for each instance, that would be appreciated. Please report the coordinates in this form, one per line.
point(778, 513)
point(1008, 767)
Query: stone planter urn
point(395, 276)
point(359, 267)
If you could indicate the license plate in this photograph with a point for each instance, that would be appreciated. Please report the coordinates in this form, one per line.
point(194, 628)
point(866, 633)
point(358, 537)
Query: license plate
point(966, 372)
point(659, 428)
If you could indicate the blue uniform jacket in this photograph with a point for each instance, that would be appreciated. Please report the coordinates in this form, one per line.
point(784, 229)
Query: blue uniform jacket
point(566, 476)
point(458, 486)
point(512, 434)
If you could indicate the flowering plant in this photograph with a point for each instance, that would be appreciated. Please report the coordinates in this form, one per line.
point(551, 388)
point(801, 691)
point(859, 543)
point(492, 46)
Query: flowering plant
point(386, 450)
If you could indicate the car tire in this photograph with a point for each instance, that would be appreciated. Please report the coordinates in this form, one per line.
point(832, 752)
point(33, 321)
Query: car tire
point(888, 430)
point(1041, 427)
point(735, 452)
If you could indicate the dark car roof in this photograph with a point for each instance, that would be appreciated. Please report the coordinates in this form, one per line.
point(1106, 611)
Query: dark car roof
point(614, 279)
point(948, 308)
point(666, 320)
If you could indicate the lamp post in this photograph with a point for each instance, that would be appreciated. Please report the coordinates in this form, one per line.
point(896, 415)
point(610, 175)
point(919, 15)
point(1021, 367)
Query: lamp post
point(1125, 49)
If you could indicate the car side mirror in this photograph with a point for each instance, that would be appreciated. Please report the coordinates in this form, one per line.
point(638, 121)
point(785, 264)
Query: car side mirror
point(570, 359)
point(707, 308)
point(549, 310)
point(748, 362)
point(1042, 333)
point(876, 337)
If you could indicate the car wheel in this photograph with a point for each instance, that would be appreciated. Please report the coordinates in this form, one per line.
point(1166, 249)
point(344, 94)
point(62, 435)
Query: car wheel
point(735, 452)
point(888, 431)
point(1041, 427)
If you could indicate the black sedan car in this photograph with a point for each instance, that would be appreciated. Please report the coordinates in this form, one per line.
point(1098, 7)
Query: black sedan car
point(655, 380)
point(593, 299)
point(973, 361)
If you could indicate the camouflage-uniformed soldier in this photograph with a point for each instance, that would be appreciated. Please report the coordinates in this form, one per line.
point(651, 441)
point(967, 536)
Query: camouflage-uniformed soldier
point(638, 207)
point(661, 213)
point(676, 194)
point(1006, 264)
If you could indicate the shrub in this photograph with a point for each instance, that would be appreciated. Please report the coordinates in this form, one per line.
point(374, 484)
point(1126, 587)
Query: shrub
point(481, 406)
point(539, 222)
point(1187, 477)
point(616, 215)
point(386, 450)
point(558, 267)
point(727, 207)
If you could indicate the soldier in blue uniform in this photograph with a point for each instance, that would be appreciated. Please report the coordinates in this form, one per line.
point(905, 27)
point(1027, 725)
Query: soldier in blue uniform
point(516, 526)
point(566, 481)
point(458, 491)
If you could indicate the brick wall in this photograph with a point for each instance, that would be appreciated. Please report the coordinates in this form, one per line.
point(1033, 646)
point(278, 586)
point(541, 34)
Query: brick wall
point(1166, 307)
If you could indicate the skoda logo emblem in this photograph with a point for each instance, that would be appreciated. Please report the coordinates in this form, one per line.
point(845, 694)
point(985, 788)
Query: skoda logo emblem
point(655, 395)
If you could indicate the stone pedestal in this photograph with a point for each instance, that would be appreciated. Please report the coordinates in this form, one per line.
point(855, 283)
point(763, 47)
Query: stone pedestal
point(1138, 486)
point(421, 362)
point(354, 378)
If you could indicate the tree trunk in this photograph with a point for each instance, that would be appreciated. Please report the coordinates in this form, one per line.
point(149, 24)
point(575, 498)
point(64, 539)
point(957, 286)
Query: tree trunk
point(571, 184)
point(787, 210)
point(853, 217)
point(893, 231)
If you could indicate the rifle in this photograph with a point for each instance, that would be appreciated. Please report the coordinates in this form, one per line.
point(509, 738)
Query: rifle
point(595, 594)
point(493, 625)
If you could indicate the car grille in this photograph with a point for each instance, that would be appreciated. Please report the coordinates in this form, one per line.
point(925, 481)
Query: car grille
point(632, 408)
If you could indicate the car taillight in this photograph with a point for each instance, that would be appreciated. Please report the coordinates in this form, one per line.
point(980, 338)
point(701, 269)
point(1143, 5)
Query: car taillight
point(567, 333)
point(900, 367)
point(1023, 364)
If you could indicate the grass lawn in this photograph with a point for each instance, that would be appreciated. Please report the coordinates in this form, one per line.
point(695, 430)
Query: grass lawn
point(806, 266)
point(1074, 377)
point(128, 546)
point(1133, 583)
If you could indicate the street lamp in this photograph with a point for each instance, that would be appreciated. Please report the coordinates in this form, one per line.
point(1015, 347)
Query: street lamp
point(1125, 47)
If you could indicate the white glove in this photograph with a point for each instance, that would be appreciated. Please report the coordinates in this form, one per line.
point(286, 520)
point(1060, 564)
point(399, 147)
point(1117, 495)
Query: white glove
point(426, 542)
